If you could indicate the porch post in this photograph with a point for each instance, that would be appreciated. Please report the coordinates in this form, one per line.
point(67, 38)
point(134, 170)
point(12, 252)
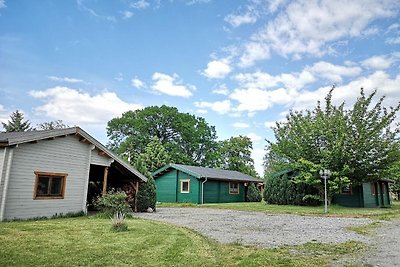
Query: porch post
point(105, 180)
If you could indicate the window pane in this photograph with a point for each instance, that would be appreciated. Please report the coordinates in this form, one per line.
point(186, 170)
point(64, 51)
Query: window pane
point(233, 188)
point(56, 186)
point(185, 187)
point(43, 186)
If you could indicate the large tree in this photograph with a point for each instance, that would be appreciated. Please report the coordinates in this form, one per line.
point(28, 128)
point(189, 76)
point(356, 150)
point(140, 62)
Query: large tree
point(357, 144)
point(17, 123)
point(155, 155)
point(52, 125)
point(235, 154)
point(187, 139)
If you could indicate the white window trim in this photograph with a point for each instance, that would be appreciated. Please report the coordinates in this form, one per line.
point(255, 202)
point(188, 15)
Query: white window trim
point(238, 188)
point(185, 181)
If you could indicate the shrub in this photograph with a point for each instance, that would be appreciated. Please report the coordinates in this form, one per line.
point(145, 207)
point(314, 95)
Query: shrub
point(112, 203)
point(118, 223)
point(253, 194)
point(146, 196)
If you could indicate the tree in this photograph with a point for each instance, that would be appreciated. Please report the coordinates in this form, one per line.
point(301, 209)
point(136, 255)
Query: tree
point(357, 144)
point(146, 196)
point(51, 125)
point(235, 154)
point(155, 155)
point(253, 194)
point(187, 139)
point(17, 123)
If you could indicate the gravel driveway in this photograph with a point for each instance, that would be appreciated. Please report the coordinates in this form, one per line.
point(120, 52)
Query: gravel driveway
point(260, 229)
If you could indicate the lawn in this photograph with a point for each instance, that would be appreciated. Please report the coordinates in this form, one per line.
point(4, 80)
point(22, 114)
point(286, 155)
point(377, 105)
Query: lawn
point(88, 241)
point(334, 210)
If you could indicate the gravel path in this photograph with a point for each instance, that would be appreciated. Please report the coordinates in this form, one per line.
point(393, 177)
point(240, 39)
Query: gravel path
point(385, 250)
point(260, 229)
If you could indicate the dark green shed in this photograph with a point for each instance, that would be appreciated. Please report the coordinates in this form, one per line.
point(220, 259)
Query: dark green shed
point(366, 195)
point(192, 184)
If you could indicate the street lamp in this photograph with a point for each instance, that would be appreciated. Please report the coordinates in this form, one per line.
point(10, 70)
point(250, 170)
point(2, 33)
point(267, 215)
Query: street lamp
point(325, 175)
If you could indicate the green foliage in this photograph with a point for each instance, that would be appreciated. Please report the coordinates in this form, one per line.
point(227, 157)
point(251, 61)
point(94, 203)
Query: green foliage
point(118, 223)
point(17, 123)
point(235, 155)
point(112, 202)
point(52, 125)
point(253, 194)
point(187, 139)
point(357, 144)
point(146, 196)
point(283, 190)
point(155, 155)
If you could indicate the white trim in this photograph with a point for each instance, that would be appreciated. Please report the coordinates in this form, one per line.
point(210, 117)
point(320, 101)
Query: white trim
point(185, 181)
point(85, 189)
point(2, 169)
point(6, 179)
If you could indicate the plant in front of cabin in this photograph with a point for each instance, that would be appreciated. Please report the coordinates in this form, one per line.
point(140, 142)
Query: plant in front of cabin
point(253, 194)
point(118, 223)
point(146, 196)
point(113, 202)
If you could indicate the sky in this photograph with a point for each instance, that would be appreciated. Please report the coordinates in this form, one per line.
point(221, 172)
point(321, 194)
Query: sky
point(242, 65)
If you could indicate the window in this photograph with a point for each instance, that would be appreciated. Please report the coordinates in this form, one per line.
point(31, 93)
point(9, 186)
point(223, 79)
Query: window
point(346, 190)
point(373, 188)
point(185, 186)
point(233, 188)
point(49, 185)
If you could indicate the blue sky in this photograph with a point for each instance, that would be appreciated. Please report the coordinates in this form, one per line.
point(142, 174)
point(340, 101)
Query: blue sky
point(242, 65)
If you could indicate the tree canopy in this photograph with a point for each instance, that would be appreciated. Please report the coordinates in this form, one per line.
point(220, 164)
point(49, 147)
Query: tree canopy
point(17, 123)
point(187, 139)
point(357, 144)
point(51, 125)
point(155, 155)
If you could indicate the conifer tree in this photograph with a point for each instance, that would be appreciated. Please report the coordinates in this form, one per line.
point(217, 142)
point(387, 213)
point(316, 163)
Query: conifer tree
point(155, 155)
point(146, 196)
point(17, 123)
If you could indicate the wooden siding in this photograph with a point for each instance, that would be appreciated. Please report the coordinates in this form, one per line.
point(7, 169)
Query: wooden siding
point(3, 165)
point(218, 192)
point(166, 186)
point(63, 155)
point(370, 200)
point(350, 200)
point(193, 196)
point(98, 159)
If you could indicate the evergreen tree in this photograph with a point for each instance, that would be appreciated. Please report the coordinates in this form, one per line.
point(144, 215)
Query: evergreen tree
point(17, 123)
point(253, 194)
point(146, 196)
point(155, 155)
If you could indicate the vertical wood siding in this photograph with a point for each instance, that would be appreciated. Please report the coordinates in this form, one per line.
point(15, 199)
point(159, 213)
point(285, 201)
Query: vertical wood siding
point(166, 185)
point(193, 195)
point(61, 155)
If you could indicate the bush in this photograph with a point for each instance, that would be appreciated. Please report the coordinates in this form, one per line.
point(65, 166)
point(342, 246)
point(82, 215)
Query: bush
point(283, 190)
point(112, 203)
point(253, 194)
point(146, 196)
point(118, 223)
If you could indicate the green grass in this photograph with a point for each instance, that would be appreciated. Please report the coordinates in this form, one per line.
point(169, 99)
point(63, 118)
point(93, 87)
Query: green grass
point(90, 242)
point(334, 210)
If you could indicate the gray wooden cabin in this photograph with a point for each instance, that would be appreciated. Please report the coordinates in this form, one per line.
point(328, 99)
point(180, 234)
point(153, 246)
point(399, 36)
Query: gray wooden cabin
point(44, 173)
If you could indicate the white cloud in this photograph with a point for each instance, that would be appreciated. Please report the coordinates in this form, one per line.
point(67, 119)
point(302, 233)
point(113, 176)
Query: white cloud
point(141, 4)
point(75, 107)
point(171, 85)
point(310, 27)
point(393, 40)
point(254, 137)
point(201, 111)
point(217, 69)
point(127, 14)
point(221, 107)
point(377, 62)
point(269, 124)
point(193, 2)
point(119, 77)
point(137, 83)
point(3, 4)
point(238, 20)
point(254, 51)
point(333, 72)
point(221, 90)
point(64, 79)
point(94, 13)
point(257, 155)
point(4, 115)
point(241, 125)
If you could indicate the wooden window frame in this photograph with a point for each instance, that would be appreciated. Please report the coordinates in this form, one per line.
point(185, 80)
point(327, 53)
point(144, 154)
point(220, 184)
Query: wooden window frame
point(185, 181)
point(350, 192)
point(50, 174)
point(238, 188)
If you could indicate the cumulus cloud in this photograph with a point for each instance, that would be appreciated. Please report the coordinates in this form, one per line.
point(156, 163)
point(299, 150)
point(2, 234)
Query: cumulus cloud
point(254, 51)
point(65, 79)
point(333, 72)
point(377, 62)
point(137, 83)
point(254, 137)
point(76, 107)
point(141, 4)
point(171, 85)
point(221, 107)
point(221, 90)
point(217, 69)
point(238, 20)
point(241, 125)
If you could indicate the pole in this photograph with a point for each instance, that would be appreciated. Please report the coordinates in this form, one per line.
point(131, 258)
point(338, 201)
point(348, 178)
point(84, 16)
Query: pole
point(326, 195)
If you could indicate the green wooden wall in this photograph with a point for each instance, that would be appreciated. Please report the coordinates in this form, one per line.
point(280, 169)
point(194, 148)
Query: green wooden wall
point(352, 200)
point(218, 192)
point(194, 191)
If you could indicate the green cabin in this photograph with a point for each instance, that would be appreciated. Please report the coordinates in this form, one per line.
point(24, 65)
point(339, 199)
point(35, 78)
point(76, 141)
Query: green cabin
point(366, 195)
point(192, 184)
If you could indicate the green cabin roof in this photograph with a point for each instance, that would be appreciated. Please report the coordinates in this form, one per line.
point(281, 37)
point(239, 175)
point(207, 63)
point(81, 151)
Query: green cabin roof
point(209, 173)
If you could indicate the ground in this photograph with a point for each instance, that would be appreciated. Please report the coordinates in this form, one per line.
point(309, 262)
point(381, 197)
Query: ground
point(260, 229)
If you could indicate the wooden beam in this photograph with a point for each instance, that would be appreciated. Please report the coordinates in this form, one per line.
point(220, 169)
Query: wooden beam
point(105, 176)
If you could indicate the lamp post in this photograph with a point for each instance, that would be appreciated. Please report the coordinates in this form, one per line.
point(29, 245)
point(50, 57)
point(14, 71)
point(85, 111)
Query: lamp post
point(325, 175)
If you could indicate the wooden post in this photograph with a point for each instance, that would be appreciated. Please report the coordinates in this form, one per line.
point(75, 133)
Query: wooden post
point(136, 192)
point(105, 180)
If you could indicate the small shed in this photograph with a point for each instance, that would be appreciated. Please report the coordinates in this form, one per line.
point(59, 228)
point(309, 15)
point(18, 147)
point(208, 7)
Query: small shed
point(366, 195)
point(53, 172)
point(192, 184)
